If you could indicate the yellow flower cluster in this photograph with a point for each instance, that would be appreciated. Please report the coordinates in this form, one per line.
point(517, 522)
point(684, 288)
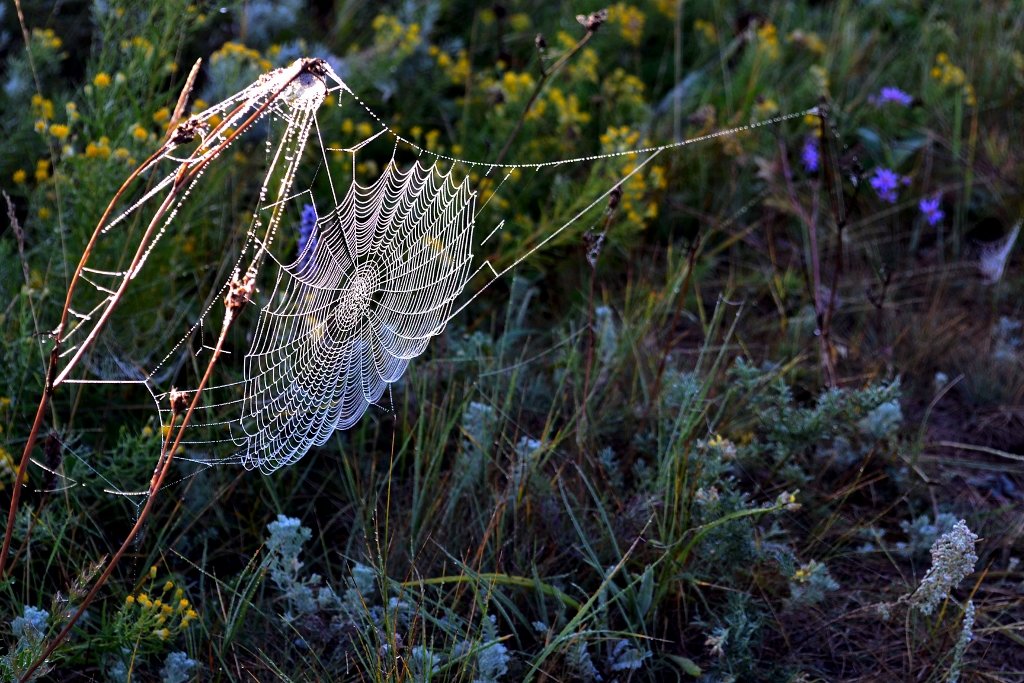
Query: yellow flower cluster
point(457, 69)
point(47, 38)
point(583, 66)
point(99, 149)
point(814, 123)
point(766, 106)
point(520, 21)
point(138, 43)
point(950, 75)
point(101, 80)
point(59, 131)
point(42, 170)
point(239, 52)
point(619, 139)
point(768, 40)
point(161, 617)
point(138, 132)
point(630, 20)
point(42, 107)
point(623, 89)
point(706, 29)
point(517, 86)
point(669, 8)
point(19, 177)
point(395, 37)
point(567, 109)
point(636, 203)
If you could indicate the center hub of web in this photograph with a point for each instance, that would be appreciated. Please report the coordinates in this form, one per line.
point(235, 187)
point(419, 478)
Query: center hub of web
point(355, 301)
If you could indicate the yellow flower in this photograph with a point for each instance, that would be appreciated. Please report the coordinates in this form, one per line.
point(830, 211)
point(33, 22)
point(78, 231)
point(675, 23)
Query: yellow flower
point(122, 153)
point(168, 586)
point(768, 38)
point(42, 170)
point(47, 37)
point(161, 115)
point(139, 133)
point(199, 105)
point(44, 213)
point(431, 139)
point(364, 129)
point(950, 75)
point(99, 149)
point(162, 633)
point(766, 107)
point(101, 80)
point(152, 572)
point(42, 106)
point(631, 22)
point(130, 600)
point(20, 176)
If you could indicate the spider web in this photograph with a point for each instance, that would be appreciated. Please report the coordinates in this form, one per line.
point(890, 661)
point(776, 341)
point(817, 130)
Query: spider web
point(386, 267)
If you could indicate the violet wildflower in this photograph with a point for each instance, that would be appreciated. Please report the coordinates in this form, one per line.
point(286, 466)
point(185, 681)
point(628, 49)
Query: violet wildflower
point(929, 206)
point(307, 243)
point(886, 183)
point(810, 154)
point(891, 95)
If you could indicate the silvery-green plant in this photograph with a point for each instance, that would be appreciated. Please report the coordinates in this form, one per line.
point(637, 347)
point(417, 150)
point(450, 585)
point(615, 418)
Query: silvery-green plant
point(966, 636)
point(810, 583)
point(178, 668)
point(953, 558)
point(923, 531)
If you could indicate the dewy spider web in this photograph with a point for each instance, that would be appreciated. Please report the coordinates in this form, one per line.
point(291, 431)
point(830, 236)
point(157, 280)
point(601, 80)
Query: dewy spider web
point(380, 275)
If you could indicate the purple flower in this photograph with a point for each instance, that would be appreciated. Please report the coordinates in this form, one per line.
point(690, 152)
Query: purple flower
point(891, 95)
point(307, 242)
point(887, 183)
point(810, 155)
point(929, 206)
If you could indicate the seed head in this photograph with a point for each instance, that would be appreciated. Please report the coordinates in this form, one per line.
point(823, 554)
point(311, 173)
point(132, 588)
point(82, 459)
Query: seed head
point(240, 292)
point(593, 21)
